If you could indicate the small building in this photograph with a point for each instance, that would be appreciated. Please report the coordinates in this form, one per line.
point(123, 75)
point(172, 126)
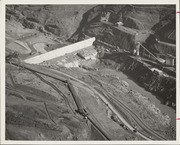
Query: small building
point(87, 53)
point(170, 60)
point(119, 24)
point(105, 16)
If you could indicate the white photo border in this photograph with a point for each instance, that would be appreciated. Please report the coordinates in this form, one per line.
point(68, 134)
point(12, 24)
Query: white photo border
point(3, 4)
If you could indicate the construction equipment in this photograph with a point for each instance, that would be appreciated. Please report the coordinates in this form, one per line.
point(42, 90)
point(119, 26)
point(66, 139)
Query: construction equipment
point(160, 60)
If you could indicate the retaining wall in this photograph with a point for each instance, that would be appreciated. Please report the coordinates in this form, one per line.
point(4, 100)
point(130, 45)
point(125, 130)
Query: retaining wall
point(60, 51)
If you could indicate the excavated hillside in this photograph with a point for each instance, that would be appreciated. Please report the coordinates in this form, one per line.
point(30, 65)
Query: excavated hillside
point(138, 17)
point(64, 20)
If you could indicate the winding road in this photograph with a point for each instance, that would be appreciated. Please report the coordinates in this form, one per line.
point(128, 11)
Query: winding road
point(63, 77)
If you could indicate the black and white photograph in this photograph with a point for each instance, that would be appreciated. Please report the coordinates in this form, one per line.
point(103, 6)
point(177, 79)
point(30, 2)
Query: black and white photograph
point(90, 72)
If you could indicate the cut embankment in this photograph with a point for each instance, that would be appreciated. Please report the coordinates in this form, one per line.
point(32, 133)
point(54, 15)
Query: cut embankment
point(152, 79)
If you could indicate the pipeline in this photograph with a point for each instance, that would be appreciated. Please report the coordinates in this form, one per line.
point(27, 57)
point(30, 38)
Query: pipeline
point(150, 52)
point(98, 128)
point(82, 111)
point(78, 102)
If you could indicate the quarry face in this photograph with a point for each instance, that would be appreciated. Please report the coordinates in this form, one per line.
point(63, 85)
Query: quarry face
point(90, 72)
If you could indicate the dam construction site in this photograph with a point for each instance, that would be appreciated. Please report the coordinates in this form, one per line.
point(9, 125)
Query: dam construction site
point(90, 72)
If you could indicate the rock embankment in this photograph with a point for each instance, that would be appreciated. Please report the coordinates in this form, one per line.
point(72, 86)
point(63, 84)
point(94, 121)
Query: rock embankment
point(152, 79)
point(157, 83)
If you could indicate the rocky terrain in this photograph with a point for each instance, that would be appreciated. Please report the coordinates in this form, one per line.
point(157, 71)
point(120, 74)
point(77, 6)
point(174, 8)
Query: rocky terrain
point(160, 84)
point(60, 20)
point(39, 107)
